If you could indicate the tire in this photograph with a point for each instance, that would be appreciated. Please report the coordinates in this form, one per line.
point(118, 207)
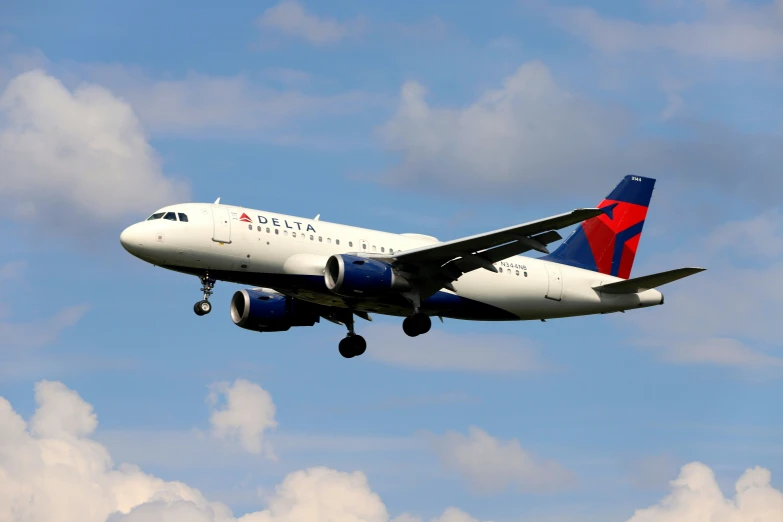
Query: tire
point(197, 309)
point(359, 345)
point(346, 348)
point(423, 323)
point(205, 307)
point(409, 327)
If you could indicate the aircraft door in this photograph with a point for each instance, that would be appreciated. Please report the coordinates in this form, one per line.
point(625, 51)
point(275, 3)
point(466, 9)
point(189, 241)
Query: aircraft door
point(555, 290)
point(222, 224)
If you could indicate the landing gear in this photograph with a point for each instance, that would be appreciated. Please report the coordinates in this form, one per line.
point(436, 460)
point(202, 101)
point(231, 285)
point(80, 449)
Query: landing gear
point(353, 345)
point(202, 307)
point(207, 284)
point(417, 324)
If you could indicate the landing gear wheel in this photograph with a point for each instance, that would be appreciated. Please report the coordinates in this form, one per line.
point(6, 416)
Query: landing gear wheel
point(352, 346)
point(409, 327)
point(202, 307)
point(417, 324)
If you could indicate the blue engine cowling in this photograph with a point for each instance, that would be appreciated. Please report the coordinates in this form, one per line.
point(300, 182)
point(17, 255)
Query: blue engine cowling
point(264, 311)
point(354, 276)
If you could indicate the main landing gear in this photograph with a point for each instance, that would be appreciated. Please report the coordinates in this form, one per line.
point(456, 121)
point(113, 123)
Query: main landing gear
point(353, 344)
point(417, 324)
point(207, 284)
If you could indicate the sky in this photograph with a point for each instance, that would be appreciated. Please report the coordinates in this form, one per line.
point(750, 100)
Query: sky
point(118, 404)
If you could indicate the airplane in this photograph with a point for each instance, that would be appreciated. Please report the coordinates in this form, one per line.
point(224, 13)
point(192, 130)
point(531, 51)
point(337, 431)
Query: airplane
point(301, 270)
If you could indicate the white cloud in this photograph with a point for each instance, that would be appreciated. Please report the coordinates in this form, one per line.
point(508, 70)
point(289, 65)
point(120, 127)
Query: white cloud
point(439, 350)
point(198, 104)
point(492, 465)
point(52, 471)
point(247, 413)
point(729, 30)
point(290, 18)
point(529, 133)
point(75, 156)
point(696, 497)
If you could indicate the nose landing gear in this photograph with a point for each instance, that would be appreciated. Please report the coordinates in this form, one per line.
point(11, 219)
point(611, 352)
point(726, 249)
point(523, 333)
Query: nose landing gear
point(207, 284)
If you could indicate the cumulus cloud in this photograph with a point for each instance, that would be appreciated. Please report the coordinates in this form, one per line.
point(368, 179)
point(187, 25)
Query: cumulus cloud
point(696, 497)
point(290, 18)
point(451, 514)
point(76, 155)
point(242, 412)
point(728, 30)
point(506, 138)
point(492, 465)
point(440, 350)
point(532, 136)
point(51, 470)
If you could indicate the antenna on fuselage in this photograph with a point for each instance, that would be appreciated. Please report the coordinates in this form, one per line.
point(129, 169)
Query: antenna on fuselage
point(316, 217)
point(217, 202)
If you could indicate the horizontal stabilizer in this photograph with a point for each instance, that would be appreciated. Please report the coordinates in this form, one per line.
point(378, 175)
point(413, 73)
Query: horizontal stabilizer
point(640, 284)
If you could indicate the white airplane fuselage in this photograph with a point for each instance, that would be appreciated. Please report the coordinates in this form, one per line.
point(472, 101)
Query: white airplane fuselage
point(288, 254)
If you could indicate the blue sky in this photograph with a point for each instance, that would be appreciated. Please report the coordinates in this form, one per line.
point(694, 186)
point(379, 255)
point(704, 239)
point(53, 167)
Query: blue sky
point(443, 118)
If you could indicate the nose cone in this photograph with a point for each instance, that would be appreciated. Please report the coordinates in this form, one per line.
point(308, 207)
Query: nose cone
point(131, 239)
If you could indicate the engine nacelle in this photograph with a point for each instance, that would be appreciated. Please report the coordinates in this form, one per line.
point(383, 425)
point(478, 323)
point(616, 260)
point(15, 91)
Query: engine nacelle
point(354, 276)
point(267, 311)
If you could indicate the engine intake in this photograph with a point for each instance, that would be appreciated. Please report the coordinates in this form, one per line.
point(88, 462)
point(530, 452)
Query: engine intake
point(264, 311)
point(352, 276)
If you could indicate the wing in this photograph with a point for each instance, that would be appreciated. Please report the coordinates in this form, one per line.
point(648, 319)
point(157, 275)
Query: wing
point(442, 263)
point(521, 235)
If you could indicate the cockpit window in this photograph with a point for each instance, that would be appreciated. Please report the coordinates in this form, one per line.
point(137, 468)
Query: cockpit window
point(171, 216)
point(155, 216)
point(183, 217)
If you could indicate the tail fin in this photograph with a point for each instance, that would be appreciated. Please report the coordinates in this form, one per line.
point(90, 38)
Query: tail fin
point(608, 243)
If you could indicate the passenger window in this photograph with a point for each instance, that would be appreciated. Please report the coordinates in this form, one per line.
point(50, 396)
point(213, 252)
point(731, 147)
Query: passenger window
point(320, 239)
point(311, 237)
point(350, 243)
point(517, 272)
point(171, 216)
point(374, 249)
point(293, 234)
point(329, 240)
point(364, 247)
point(277, 231)
point(250, 227)
point(183, 217)
point(500, 269)
point(336, 241)
point(285, 232)
point(525, 274)
point(155, 216)
point(267, 230)
point(391, 250)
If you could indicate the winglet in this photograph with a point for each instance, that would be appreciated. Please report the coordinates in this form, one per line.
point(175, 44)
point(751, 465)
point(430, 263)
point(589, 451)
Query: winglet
point(640, 284)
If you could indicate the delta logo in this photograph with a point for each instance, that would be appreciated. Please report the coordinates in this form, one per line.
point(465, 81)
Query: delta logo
point(244, 217)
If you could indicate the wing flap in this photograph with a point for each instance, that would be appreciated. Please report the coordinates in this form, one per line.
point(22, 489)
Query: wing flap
point(640, 284)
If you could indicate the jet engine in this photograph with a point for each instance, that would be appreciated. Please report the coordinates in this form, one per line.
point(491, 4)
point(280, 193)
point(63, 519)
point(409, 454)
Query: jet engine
point(264, 310)
point(354, 276)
